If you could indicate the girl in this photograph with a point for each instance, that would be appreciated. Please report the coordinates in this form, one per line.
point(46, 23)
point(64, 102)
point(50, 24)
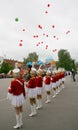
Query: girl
point(39, 84)
point(17, 90)
point(31, 85)
point(47, 85)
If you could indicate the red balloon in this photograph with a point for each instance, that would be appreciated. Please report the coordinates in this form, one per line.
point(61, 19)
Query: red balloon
point(21, 40)
point(57, 38)
point(46, 47)
point(35, 36)
point(20, 44)
point(46, 12)
point(54, 36)
point(68, 32)
point(54, 50)
point(43, 34)
point(46, 35)
point(53, 26)
point(23, 30)
point(48, 5)
point(39, 26)
point(42, 42)
point(37, 44)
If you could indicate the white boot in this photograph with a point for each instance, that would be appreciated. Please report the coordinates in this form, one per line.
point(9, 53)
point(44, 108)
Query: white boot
point(17, 126)
point(21, 122)
point(58, 89)
point(32, 111)
point(48, 99)
point(62, 86)
point(38, 104)
point(54, 94)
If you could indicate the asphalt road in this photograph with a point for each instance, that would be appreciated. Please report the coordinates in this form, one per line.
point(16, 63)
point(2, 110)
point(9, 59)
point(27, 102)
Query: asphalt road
point(60, 114)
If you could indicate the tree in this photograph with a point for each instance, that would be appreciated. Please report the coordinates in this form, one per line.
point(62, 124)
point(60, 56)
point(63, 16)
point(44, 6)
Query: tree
point(32, 57)
point(65, 60)
point(5, 67)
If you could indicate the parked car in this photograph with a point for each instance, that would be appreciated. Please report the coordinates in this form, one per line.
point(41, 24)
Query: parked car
point(2, 75)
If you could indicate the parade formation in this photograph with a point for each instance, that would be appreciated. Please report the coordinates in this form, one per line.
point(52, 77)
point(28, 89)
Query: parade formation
point(32, 87)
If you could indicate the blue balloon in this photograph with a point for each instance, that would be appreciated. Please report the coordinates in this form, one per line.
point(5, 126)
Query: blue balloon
point(29, 63)
point(40, 63)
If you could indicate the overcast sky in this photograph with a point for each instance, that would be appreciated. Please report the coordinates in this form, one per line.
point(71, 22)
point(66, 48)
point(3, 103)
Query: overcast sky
point(58, 20)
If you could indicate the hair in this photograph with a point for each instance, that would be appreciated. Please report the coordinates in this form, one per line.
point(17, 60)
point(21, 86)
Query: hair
point(16, 75)
point(30, 66)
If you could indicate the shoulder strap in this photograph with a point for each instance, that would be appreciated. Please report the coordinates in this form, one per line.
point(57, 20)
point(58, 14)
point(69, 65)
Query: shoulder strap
point(19, 82)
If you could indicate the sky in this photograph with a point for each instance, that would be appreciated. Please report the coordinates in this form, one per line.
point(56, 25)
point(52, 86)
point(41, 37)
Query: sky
point(41, 26)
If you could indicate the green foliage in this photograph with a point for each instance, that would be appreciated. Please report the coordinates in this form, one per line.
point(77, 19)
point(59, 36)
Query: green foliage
point(76, 64)
point(5, 67)
point(31, 58)
point(65, 60)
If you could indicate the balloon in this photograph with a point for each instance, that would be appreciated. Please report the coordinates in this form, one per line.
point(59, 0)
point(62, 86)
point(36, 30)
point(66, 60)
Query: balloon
point(40, 63)
point(57, 38)
point(20, 44)
point(35, 36)
point(53, 26)
point(21, 40)
point(54, 36)
point(29, 63)
point(46, 46)
point(48, 5)
point(37, 44)
point(42, 42)
point(46, 12)
point(46, 35)
point(43, 34)
point(52, 62)
point(16, 19)
point(68, 32)
point(54, 50)
point(39, 26)
point(23, 30)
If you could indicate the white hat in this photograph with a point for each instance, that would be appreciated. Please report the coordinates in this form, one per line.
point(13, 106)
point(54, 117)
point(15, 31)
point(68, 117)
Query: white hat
point(33, 69)
point(39, 71)
point(48, 72)
point(55, 71)
point(16, 70)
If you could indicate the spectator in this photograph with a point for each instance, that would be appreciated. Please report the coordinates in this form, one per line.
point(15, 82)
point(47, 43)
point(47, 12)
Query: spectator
point(73, 75)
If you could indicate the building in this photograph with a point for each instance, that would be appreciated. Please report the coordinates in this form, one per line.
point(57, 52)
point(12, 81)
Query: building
point(12, 62)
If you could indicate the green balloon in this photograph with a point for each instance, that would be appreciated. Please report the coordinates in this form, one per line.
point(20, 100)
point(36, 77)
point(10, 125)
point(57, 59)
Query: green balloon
point(16, 19)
